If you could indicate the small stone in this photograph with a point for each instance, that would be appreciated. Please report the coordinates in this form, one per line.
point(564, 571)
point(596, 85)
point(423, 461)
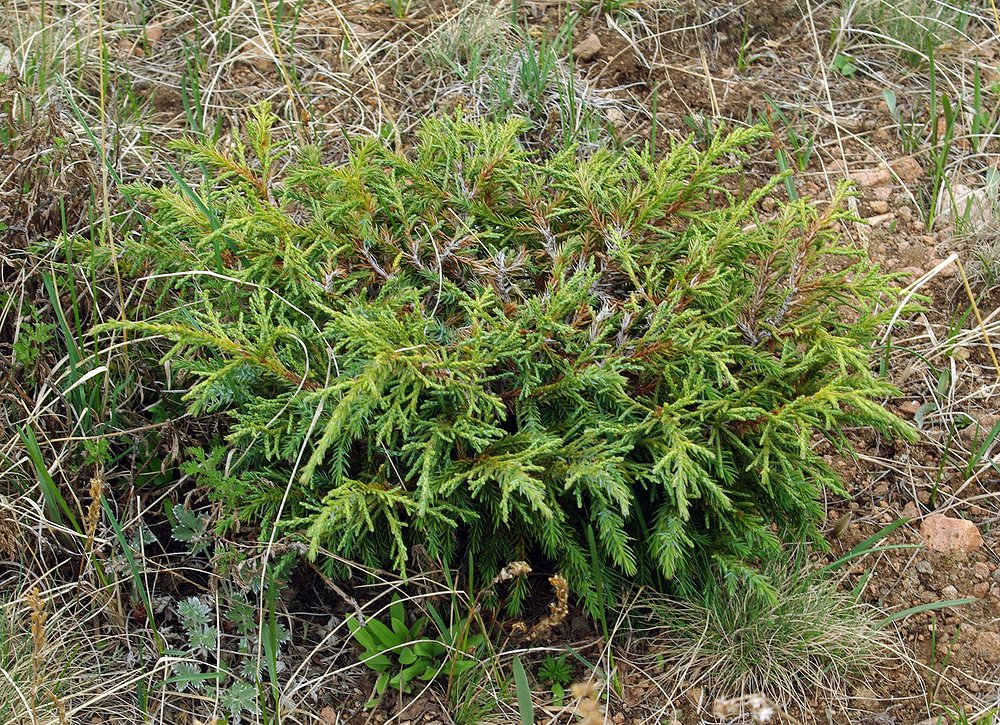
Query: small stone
point(154, 33)
point(986, 646)
point(866, 699)
point(588, 48)
point(615, 116)
point(910, 510)
point(976, 432)
point(768, 204)
point(7, 65)
point(909, 407)
point(878, 206)
point(981, 571)
point(257, 51)
point(871, 177)
point(949, 592)
point(981, 590)
point(975, 206)
point(880, 220)
point(944, 533)
point(908, 170)
point(945, 272)
point(925, 567)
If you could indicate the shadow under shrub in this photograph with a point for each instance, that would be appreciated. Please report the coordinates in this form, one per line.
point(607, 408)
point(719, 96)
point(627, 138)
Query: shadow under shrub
point(607, 362)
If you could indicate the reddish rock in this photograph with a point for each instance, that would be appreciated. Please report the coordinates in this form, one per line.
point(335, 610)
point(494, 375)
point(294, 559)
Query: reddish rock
point(945, 272)
point(986, 647)
point(981, 571)
point(944, 533)
point(908, 170)
point(871, 177)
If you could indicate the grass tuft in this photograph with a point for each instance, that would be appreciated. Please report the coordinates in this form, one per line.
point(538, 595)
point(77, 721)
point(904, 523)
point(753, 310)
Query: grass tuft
point(810, 639)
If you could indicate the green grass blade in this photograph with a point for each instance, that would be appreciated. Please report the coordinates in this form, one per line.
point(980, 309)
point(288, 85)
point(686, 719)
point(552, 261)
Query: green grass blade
point(525, 706)
point(204, 208)
point(980, 452)
point(55, 505)
point(929, 607)
point(140, 585)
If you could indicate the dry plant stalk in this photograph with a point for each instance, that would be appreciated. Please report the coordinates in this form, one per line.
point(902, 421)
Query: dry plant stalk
point(93, 514)
point(38, 615)
point(8, 536)
point(558, 610)
point(588, 706)
point(511, 571)
point(59, 705)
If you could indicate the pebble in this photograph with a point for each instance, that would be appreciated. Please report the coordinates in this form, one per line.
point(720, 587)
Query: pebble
point(865, 699)
point(154, 33)
point(909, 407)
point(588, 49)
point(986, 646)
point(878, 206)
point(907, 169)
point(871, 177)
point(977, 431)
point(945, 272)
point(981, 571)
point(976, 205)
point(7, 64)
point(944, 533)
point(615, 116)
point(949, 592)
point(925, 567)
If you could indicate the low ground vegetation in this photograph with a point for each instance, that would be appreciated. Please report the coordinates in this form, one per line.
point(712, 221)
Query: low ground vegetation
point(405, 362)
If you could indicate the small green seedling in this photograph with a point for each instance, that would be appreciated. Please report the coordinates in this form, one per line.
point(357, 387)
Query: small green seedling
point(845, 65)
point(403, 655)
point(556, 673)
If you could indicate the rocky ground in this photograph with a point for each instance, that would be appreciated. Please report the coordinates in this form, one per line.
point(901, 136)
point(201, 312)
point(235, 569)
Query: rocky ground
point(683, 68)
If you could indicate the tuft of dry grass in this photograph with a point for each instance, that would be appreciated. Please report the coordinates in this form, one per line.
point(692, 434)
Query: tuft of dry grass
point(812, 640)
point(984, 268)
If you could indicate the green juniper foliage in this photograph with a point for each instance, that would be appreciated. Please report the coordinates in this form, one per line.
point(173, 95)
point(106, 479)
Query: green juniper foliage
point(608, 363)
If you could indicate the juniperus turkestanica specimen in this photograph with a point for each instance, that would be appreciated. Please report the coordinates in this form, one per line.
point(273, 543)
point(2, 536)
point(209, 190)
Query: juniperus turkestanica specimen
point(609, 363)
